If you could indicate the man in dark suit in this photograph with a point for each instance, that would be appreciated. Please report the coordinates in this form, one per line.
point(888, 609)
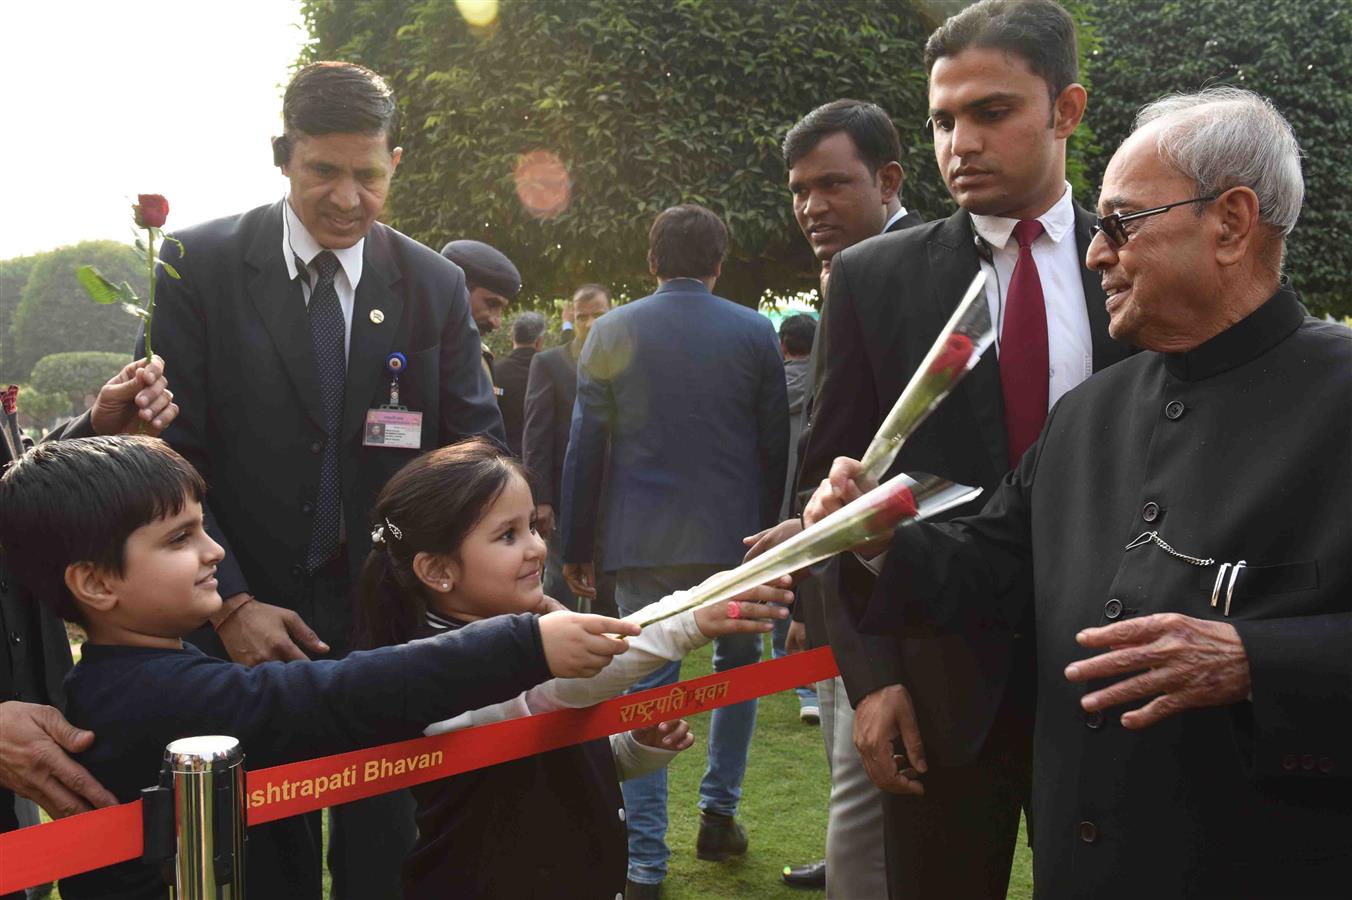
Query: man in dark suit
point(285, 331)
point(845, 180)
point(1184, 520)
point(1004, 101)
point(510, 375)
point(688, 390)
point(550, 393)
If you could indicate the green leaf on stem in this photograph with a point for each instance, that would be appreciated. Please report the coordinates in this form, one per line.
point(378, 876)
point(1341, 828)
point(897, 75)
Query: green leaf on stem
point(100, 289)
point(173, 273)
point(127, 294)
point(177, 243)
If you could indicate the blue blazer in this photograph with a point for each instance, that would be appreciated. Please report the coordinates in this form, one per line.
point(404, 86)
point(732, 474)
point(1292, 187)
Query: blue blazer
point(688, 389)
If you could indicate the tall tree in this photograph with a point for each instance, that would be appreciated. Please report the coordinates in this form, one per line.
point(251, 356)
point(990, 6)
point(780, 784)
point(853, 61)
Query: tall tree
point(13, 276)
point(55, 315)
point(1296, 52)
point(644, 104)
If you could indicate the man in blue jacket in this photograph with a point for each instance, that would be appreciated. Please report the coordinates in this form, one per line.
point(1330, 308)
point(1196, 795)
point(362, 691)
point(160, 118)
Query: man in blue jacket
point(688, 389)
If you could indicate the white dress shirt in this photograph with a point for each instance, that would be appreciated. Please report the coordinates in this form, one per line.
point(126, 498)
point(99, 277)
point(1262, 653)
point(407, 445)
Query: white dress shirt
point(1070, 348)
point(298, 242)
point(890, 222)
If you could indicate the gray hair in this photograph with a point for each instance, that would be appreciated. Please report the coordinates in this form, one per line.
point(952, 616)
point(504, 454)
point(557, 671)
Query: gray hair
point(1225, 137)
point(527, 328)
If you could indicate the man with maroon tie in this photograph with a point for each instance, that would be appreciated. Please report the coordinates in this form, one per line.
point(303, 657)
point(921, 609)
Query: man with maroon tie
point(1003, 101)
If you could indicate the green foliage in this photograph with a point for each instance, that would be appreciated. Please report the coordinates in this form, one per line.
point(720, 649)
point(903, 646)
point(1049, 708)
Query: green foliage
point(647, 104)
point(40, 411)
point(78, 375)
point(55, 315)
point(13, 276)
point(1296, 52)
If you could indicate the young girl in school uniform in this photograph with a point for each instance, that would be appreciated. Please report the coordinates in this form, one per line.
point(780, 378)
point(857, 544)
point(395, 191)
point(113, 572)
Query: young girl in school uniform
point(455, 542)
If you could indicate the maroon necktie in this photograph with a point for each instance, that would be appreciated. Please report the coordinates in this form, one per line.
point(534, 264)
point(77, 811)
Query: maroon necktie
point(1024, 360)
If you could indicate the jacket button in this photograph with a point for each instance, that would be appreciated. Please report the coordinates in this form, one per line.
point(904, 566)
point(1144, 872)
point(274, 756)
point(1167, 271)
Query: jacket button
point(316, 446)
point(622, 816)
point(15, 637)
point(1326, 764)
point(1088, 832)
point(1094, 720)
point(1174, 409)
point(1113, 609)
point(1151, 511)
point(4, 586)
point(1307, 762)
point(297, 571)
point(1289, 762)
point(307, 507)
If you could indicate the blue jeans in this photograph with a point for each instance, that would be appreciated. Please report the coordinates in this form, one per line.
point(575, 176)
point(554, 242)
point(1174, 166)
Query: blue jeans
point(730, 728)
point(807, 695)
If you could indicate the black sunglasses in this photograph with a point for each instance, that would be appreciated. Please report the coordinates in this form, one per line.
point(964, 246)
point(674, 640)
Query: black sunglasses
point(1112, 224)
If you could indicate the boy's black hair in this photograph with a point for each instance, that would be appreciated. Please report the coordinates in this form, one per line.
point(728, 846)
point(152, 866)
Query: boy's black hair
point(66, 502)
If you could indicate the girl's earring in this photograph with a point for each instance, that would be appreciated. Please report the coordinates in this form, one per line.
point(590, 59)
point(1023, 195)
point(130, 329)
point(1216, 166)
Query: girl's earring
point(445, 585)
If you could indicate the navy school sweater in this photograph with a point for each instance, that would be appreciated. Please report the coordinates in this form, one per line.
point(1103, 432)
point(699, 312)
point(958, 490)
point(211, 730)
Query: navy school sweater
point(138, 699)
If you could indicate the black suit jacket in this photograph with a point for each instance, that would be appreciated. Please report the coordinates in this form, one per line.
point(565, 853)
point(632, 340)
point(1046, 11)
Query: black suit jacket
point(889, 297)
point(812, 606)
point(235, 335)
point(550, 393)
point(510, 374)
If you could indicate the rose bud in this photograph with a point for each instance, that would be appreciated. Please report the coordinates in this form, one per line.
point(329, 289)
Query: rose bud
point(952, 360)
point(151, 210)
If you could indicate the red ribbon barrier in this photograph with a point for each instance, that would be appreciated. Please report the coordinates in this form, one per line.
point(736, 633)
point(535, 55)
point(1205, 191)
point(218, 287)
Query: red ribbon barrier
point(44, 853)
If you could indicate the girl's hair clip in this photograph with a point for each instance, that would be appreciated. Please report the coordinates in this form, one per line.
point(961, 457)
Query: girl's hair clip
point(378, 533)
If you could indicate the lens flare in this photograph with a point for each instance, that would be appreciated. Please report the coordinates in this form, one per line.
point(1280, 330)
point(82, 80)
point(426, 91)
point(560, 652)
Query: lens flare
point(542, 183)
point(478, 13)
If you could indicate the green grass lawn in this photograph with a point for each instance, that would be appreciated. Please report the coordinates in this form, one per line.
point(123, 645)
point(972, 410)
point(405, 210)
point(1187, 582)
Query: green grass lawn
point(783, 807)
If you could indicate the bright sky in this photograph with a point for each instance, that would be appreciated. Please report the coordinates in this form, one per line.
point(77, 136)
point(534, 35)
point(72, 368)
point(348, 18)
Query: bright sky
point(106, 99)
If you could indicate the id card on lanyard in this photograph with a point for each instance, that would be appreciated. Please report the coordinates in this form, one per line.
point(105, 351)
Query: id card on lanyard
point(392, 425)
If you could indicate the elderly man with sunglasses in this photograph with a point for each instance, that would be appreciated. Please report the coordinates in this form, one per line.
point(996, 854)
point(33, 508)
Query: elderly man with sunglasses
point(1185, 520)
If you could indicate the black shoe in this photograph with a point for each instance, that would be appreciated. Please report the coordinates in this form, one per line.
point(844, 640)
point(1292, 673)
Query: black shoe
point(720, 837)
point(637, 890)
point(811, 876)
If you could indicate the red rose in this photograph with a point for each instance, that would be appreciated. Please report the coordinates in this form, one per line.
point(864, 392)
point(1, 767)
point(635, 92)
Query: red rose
point(891, 509)
point(952, 360)
point(9, 400)
point(151, 210)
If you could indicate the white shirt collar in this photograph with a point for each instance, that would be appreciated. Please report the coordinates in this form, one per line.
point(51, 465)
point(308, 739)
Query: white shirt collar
point(1057, 222)
point(901, 213)
point(297, 241)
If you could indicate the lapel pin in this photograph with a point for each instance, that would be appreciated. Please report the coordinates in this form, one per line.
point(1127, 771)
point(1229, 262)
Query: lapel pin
point(377, 316)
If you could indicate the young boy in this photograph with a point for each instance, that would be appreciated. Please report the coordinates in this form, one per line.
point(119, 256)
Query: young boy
point(108, 532)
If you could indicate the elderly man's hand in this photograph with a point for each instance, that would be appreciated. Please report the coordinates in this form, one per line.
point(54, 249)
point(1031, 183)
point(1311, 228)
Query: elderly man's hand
point(138, 395)
point(544, 520)
point(34, 743)
point(879, 719)
point(1185, 663)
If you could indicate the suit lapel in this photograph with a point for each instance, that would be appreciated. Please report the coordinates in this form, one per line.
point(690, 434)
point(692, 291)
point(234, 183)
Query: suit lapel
point(953, 264)
point(280, 304)
point(1106, 350)
point(372, 341)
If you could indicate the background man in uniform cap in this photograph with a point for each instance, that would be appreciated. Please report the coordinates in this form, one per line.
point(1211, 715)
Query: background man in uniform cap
point(493, 282)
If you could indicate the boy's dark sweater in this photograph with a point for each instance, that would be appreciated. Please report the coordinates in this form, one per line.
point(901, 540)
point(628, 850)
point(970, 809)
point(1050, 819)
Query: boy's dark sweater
point(138, 699)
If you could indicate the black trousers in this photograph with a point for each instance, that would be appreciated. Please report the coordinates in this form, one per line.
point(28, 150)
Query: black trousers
point(957, 841)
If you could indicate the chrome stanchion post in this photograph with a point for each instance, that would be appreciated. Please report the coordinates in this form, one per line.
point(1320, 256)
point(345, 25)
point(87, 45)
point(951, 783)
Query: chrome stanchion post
point(208, 785)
